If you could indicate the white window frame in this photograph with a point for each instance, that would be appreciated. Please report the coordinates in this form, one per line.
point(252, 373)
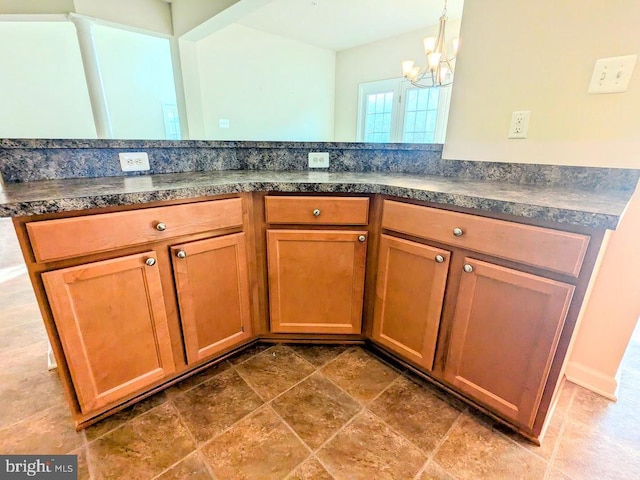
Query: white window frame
point(399, 87)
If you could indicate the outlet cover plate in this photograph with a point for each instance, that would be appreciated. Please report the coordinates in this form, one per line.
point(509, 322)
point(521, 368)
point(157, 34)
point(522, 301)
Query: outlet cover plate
point(318, 159)
point(134, 161)
point(519, 124)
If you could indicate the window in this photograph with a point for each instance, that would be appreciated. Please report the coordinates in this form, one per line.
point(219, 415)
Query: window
point(396, 111)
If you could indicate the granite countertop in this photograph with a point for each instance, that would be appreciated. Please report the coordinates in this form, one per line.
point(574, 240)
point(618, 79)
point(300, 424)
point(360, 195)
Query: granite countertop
point(567, 205)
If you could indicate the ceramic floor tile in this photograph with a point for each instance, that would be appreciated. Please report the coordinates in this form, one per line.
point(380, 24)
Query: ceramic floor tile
point(615, 419)
point(473, 451)
point(259, 447)
point(416, 413)
point(584, 452)
point(315, 409)
point(216, 404)
point(366, 449)
point(83, 466)
point(197, 379)
point(360, 374)
point(551, 437)
point(433, 471)
point(143, 447)
point(191, 468)
point(117, 419)
point(273, 371)
point(248, 353)
point(310, 470)
point(19, 327)
point(319, 355)
point(51, 431)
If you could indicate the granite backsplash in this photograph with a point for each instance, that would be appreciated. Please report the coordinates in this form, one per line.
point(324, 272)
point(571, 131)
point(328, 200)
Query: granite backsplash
point(26, 160)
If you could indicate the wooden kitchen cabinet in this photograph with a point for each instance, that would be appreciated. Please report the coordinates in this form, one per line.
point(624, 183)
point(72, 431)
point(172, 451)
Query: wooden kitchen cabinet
point(316, 280)
point(410, 288)
point(213, 294)
point(112, 323)
point(505, 331)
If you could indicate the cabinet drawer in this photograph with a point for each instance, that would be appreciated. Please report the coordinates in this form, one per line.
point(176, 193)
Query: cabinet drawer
point(317, 210)
point(72, 237)
point(539, 247)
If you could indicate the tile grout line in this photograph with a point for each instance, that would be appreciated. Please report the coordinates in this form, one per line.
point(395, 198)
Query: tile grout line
point(439, 444)
point(556, 447)
point(30, 417)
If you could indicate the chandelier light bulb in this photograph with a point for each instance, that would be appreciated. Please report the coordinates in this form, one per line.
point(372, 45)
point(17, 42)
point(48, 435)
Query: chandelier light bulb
point(429, 44)
point(407, 66)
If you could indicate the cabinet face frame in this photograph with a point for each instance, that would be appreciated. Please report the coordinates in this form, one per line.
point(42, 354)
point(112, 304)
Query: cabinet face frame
point(470, 313)
point(388, 310)
point(284, 267)
point(65, 307)
point(238, 295)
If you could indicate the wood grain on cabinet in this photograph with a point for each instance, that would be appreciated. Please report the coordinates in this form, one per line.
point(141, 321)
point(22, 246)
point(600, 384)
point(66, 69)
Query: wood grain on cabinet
point(112, 325)
point(553, 250)
point(213, 294)
point(409, 296)
point(328, 210)
point(504, 335)
point(72, 237)
point(316, 280)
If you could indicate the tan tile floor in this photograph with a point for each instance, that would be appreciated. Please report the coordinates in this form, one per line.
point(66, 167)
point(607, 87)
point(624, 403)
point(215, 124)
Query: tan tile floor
point(299, 412)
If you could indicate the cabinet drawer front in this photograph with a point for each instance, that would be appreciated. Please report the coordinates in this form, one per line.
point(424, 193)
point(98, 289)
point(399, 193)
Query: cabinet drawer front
point(72, 237)
point(317, 210)
point(553, 250)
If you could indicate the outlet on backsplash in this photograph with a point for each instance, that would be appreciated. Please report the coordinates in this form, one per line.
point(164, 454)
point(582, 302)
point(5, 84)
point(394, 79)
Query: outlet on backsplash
point(318, 159)
point(134, 161)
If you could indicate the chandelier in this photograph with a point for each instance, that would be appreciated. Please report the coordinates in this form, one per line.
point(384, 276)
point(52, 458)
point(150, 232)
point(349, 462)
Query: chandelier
point(439, 68)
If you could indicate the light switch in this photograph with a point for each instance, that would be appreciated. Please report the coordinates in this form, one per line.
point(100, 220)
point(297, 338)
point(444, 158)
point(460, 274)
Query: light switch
point(612, 75)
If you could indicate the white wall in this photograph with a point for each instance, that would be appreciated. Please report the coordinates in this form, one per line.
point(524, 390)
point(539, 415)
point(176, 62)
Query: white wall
point(375, 61)
point(539, 56)
point(269, 87)
point(138, 77)
point(42, 85)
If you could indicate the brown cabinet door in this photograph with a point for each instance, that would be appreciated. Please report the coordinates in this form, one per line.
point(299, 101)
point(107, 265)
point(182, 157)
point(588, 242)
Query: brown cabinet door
point(505, 331)
point(213, 293)
point(316, 280)
point(409, 296)
point(112, 323)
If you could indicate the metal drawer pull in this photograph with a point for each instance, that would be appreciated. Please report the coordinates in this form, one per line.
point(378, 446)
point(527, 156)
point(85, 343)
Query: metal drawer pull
point(362, 238)
point(457, 232)
point(468, 268)
point(181, 254)
point(150, 261)
point(316, 212)
point(439, 259)
point(161, 227)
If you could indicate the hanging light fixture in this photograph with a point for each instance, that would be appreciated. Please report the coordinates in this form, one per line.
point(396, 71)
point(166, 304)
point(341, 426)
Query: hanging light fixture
point(439, 68)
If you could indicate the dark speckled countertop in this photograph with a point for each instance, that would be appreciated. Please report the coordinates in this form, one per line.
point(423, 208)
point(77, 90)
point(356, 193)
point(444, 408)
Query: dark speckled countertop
point(46, 176)
point(578, 206)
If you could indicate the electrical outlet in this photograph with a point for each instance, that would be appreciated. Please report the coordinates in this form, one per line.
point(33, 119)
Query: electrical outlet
point(319, 160)
point(224, 123)
point(134, 161)
point(519, 124)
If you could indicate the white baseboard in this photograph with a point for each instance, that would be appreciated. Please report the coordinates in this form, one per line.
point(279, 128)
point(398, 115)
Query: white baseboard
point(593, 380)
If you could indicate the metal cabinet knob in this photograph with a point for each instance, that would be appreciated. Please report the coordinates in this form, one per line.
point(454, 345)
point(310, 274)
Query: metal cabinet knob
point(316, 212)
point(362, 238)
point(439, 259)
point(181, 254)
point(161, 227)
point(468, 268)
point(150, 261)
point(457, 232)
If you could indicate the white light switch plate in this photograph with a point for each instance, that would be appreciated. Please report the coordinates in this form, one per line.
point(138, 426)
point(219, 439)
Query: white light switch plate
point(319, 160)
point(612, 75)
point(134, 161)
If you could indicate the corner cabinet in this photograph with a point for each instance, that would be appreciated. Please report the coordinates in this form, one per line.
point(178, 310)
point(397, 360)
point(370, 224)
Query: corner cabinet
point(316, 277)
point(136, 298)
point(480, 304)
